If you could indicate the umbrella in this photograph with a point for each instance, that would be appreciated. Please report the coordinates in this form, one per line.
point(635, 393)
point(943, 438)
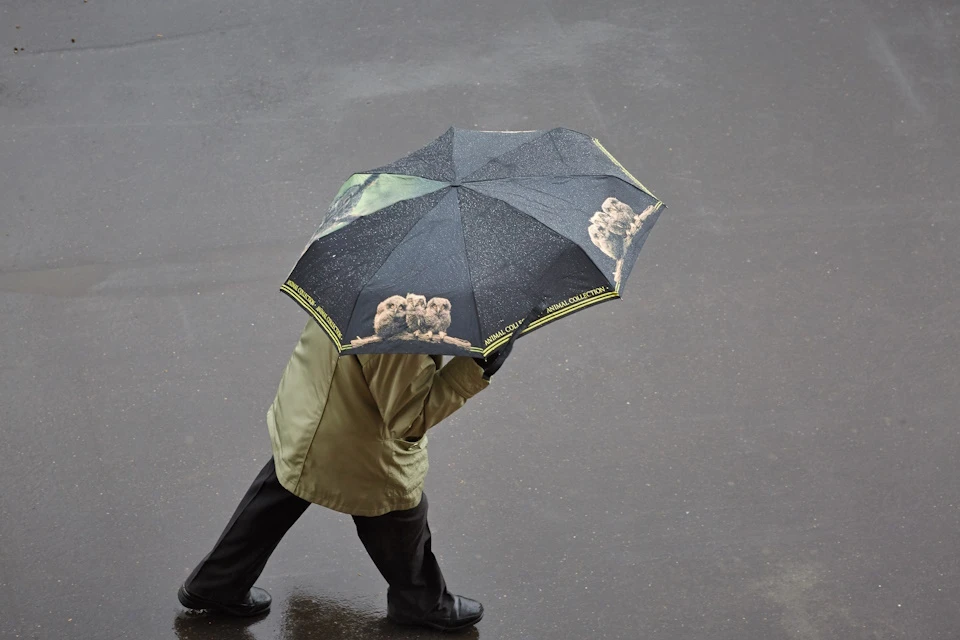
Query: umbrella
point(453, 248)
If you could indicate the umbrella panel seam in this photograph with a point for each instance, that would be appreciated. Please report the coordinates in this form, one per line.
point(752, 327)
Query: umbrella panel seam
point(550, 317)
point(345, 347)
point(612, 292)
point(467, 183)
point(473, 288)
point(393, 251)
point(497, 157)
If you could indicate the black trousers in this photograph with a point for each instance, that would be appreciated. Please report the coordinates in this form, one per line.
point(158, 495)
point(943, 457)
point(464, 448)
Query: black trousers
point(398, 543)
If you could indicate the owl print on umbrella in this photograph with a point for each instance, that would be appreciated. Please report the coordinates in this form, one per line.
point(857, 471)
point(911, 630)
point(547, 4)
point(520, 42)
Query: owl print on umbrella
point(412, 318)
point(613, 228)
point(448, 250)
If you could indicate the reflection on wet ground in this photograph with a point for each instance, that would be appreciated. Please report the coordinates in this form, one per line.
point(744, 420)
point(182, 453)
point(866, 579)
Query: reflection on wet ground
point(191, 625)
point(307, 617)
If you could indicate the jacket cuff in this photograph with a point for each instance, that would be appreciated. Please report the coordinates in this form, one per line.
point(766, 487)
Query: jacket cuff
point(465, 376)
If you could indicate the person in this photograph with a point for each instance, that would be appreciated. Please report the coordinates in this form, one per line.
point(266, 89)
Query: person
point(349, 433)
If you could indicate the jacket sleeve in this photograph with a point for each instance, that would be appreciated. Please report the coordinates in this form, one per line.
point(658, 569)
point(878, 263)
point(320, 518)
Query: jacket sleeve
point(413, 395)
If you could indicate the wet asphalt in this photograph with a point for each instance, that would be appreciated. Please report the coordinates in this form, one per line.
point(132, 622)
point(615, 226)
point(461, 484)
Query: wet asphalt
point(759, 442)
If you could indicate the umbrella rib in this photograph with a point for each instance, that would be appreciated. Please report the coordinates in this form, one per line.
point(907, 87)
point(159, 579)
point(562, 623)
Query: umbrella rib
point(466, 259)
point(467, 183)
point(553, 231)
point(555, 147)
point(549, 132)
point(543, 320)
point(656, 205)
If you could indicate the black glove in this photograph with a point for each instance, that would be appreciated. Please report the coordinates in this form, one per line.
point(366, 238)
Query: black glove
point(492, 363)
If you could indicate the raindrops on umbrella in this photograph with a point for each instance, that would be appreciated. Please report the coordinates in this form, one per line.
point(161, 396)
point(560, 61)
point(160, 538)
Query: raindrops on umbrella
point(479, 234)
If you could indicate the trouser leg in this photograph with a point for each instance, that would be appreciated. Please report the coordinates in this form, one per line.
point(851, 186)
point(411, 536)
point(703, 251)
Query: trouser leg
point(399, 544)
point(262, 518)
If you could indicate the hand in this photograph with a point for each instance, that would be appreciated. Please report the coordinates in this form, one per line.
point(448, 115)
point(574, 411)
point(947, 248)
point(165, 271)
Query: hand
point(492, 363)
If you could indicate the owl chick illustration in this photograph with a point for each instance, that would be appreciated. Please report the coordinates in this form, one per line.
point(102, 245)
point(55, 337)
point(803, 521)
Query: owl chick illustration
point(391, 318)
point(614, 226)
point(610, 243)
point(438, 317)
point(416, 312)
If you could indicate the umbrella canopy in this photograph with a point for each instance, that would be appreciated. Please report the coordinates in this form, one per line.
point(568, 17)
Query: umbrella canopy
point(450, 249)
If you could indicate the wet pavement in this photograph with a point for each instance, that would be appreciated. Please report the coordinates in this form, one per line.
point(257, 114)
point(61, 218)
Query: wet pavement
point(760, 441)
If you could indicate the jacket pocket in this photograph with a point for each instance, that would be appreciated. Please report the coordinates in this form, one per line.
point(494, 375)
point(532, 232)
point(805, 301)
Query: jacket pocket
point(411, 444)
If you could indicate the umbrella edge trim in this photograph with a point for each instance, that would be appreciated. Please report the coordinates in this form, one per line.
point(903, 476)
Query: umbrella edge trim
point(315, 315)
point(550, 317)
point(609, 155)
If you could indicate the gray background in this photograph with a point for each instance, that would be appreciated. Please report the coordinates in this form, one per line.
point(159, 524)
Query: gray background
point(759, 442)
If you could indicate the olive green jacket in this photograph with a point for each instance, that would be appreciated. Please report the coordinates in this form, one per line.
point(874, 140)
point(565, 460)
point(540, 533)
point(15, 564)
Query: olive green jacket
point(349, 432)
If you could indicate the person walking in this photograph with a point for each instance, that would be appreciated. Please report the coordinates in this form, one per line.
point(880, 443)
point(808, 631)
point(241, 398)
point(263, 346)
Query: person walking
point(349, 433)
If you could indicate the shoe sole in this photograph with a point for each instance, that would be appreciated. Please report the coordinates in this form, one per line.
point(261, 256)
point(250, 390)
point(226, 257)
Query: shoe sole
point(437, 627)
point(195, 603)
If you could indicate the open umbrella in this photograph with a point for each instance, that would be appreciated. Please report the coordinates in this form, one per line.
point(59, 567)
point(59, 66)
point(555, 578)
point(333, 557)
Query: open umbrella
point(452, 248)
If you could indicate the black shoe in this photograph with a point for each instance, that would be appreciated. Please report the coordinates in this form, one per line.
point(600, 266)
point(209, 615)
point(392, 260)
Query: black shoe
point(256, 602)
point(466, 613)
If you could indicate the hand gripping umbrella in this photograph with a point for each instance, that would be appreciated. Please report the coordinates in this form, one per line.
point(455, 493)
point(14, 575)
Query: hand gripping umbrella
point(480, 233)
